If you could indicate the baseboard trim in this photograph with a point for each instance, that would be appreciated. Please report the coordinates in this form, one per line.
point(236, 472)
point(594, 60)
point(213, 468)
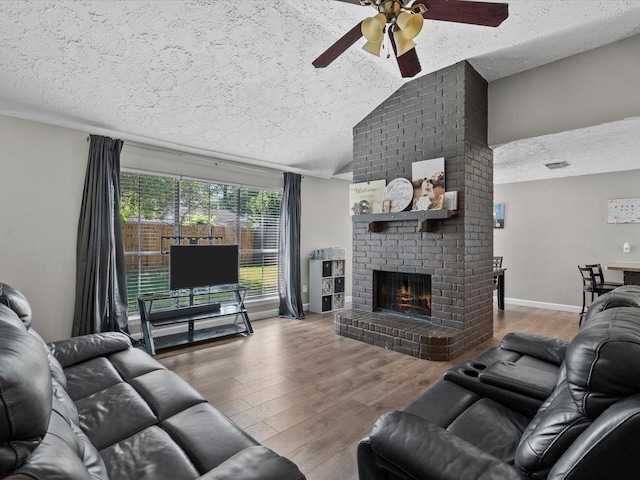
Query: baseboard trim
point(546, 305)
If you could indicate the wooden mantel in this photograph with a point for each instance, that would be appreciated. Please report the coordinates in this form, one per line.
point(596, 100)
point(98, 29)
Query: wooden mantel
point(426, 219)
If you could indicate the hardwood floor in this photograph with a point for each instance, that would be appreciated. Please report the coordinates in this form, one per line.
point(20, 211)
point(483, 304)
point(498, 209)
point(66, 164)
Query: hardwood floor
point(311, 395)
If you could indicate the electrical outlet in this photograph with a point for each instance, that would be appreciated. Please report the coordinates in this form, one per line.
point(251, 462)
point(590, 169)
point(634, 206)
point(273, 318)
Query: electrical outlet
point(626, 248)
point(305, 288)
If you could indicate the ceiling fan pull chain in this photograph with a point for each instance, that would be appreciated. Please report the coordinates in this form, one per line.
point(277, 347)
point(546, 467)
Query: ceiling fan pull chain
point(388, 49)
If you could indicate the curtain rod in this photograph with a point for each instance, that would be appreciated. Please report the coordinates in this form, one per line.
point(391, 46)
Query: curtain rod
point(144, 171)
point(196, 156)
point(216, 161)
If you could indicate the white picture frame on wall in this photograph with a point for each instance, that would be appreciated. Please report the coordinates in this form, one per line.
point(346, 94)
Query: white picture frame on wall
point(623, 210)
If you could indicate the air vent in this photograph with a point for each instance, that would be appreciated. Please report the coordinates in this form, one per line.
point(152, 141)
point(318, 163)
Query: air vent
point(556, 165)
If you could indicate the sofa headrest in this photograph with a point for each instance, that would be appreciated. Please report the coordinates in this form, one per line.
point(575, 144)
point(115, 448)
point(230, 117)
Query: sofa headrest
point(25, 392)
point(17, 302)
point(602, 360)
point(629, 289)
point(625, 296)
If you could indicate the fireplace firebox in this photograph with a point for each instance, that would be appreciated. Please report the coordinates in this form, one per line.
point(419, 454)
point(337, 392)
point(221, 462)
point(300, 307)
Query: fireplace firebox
point(403, 293)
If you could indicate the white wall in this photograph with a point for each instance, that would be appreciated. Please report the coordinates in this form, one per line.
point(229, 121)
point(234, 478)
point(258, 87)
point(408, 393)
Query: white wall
point(326, 222)
point(552, 226)
point(41, 185)
point(588, 89)
point(41, 181)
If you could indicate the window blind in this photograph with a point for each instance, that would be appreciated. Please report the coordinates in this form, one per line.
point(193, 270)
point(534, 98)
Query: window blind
point(158, 211)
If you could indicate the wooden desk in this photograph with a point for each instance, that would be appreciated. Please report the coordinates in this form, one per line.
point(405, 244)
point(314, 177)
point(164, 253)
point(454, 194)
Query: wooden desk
point(498, 276)
point(630, 271)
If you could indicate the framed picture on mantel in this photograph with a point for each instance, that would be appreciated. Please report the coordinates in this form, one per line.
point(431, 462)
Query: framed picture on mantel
point(427, 177)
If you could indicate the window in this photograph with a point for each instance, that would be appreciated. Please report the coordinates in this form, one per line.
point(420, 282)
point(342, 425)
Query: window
point(158, 210)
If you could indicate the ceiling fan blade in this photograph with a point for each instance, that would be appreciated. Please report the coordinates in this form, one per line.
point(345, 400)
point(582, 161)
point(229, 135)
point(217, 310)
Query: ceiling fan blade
point(338, 48)
point(408, 63)
point(488, 14)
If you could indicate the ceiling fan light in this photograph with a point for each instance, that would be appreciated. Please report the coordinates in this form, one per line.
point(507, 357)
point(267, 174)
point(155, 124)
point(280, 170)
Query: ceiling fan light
point(373, 27)
point(403, 44)
point(409, 24)
point(373, 47)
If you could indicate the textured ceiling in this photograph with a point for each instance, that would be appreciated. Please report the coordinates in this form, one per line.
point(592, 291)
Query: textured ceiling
point(234, 80)
point(609, 147)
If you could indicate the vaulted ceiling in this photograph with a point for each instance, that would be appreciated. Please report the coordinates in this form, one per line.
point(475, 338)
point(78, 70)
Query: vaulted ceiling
point(234, 80)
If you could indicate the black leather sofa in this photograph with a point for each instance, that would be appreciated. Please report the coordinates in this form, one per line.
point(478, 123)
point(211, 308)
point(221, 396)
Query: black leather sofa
point(94, 407)
point(532, 408)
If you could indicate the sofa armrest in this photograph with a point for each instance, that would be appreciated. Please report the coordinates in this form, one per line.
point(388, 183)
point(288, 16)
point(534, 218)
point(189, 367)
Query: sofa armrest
point(427, 451)
point(522, 379)
point(255, 463)
point(549, 349)
point(608, 448)
point(79, 349)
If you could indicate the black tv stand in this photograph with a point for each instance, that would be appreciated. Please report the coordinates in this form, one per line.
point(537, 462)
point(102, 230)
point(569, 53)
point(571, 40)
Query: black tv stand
point(188, 306)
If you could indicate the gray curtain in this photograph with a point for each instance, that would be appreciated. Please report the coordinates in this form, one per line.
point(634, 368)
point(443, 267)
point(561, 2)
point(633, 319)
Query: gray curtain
point(101, 291)
point(289, 288)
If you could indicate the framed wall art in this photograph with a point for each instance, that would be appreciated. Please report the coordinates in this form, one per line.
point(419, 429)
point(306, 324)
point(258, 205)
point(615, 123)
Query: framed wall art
point(623, 210)
point(498, 215)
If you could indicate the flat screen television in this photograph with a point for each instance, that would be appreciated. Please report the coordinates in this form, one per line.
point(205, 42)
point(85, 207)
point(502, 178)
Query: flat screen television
point(193, 266)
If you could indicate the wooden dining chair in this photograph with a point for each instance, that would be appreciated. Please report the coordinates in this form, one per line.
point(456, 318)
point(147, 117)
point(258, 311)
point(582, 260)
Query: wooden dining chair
point(592, 285)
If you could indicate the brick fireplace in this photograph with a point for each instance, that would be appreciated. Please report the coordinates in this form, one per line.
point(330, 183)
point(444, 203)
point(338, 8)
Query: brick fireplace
point(443, 114)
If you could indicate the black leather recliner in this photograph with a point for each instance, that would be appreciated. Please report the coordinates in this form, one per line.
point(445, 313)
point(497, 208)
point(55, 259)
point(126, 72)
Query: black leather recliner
point(625, 296)
point(523, 370)
point(587, 428)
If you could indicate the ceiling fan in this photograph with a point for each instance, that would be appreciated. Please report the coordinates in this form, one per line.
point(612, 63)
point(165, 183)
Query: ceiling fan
point(402, 20)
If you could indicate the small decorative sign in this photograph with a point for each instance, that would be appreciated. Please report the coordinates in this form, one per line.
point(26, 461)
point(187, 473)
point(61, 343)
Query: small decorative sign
point(623, 210)
point(366, 197)
point(399, 192)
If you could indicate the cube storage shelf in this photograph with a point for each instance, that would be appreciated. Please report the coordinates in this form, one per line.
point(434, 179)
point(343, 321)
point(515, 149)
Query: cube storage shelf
point(326, 285)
